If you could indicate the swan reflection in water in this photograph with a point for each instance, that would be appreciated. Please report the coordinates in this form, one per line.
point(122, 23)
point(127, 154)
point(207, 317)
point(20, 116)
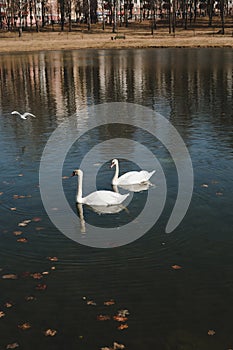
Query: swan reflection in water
point(134, 188)
point(99, 209)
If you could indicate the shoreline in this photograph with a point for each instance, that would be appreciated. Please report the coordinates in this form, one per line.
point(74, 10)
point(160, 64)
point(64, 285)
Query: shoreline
point(10, 42)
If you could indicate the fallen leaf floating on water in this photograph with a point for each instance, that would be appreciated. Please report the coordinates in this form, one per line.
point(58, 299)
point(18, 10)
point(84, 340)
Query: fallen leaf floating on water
point(13, 209)
point(41, 286)
point(16, 196)
point(53, 258)
point(8, 304)
point(109, 302)
point(91, 302)
point(37, 275)
point(211, 332)
point(10, 276)
point(65, 177)
point(103, 317)
point(50, 332)
point(12, 346)
point(219, 194)
point(53, 268)
point(123, 313)
point(176, 267)
point(17, 233)
point(24, 223)
point(39, 228)
point(123, 326)
point(117, 346)
point(45, 273)
point(1, 193)
point(22, 240)
point(20, 175)
point(204, 185)
point(2, 314)
point(120, 318)
point(24, 326)
point(36, 219)
point(30, 298)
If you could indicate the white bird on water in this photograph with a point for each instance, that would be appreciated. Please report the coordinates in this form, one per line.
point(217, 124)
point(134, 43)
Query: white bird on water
point(25, 115)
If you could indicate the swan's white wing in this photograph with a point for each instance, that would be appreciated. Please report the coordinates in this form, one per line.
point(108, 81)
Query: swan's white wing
point(104, 198)
point(15, 112)
point(134, 177)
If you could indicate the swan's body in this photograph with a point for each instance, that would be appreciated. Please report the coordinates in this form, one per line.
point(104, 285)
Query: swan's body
point(97, 198)
point(25, 115)
point(131, 177)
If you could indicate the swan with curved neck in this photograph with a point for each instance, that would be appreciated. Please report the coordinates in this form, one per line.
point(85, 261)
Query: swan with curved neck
point(131, 177)
point(98, 198)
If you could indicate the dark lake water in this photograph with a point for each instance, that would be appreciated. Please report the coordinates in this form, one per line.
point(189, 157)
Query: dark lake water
point(176, 286)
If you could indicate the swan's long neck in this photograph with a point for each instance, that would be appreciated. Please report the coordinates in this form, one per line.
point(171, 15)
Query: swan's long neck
point(79, 195)
point(115, 178)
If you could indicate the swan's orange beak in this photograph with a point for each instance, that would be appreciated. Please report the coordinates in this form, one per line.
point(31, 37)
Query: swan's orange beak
point(112, 165)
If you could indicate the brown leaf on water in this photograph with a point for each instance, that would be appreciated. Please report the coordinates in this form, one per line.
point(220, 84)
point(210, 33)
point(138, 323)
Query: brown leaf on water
point(36, 219)
point(12, 346)
point(24, 223)
point(65, 177)
point(91, 302)
point(53, 258)
point(45, 273)
point(41, 286)
point(53, 268)
point(1, 193)
point(20, 175)
point(17, 233)
point(211, 332)
point(50, 332)
point(39, 228)
point(123, 326)
point(109, 302)
point(24, 326)
point(103, 317)
point(123, 313)
point(120, 318)
point(17, 196)
point(176, 267)
point(10, 276)
point(37, 275)
point(117, 346)
point(13, 209)
point(204, 185)
point(8, 304)
point(22, 240)
point(2, 314)
point(30, 298)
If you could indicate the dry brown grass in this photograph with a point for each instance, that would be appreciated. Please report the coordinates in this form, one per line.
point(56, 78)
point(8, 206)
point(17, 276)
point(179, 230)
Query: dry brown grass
point(135, 37)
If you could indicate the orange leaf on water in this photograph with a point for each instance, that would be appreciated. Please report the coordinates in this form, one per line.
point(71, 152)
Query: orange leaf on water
point(123, 326)
point(211, 332)
point(109, 302)
point(50, 332)
point(103, 317)
point(37, 275)
point(17, 233)
point(22, 240)
point(41, 286)
point(176, 267)
point(2, 314)
point(53, 258)
point(10, 276)
point(24, 326)
point(12, 346)
point(120, 318)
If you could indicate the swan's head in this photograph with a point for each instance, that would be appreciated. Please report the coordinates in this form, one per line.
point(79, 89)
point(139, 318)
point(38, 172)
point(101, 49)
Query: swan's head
point(114, 163)
point(77, 172)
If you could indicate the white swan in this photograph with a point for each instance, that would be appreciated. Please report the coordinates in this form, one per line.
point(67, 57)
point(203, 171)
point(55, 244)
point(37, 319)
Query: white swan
point(130, 178)
point(25, 115)
point(98, 198)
